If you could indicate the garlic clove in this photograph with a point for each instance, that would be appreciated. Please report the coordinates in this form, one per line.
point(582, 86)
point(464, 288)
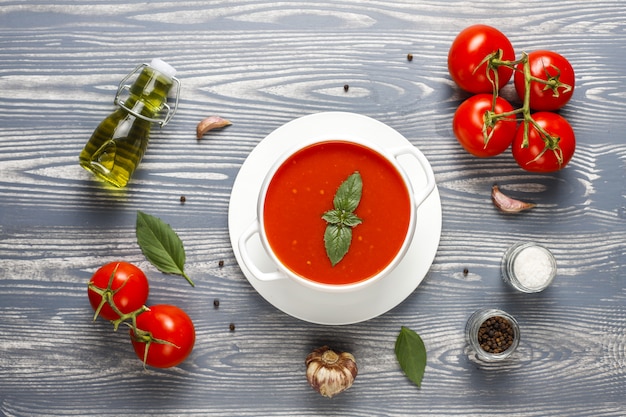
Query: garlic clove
point(330, 372)
point(211, 122)
point(506, 203)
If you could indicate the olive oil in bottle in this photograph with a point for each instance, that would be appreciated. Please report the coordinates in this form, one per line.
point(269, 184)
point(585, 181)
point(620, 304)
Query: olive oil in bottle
point(120, 141)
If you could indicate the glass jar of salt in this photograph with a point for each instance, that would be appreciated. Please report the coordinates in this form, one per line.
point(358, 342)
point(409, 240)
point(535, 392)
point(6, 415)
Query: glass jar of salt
point(528, 267)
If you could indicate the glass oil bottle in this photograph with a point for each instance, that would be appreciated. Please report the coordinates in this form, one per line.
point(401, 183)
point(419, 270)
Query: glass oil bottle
point(120, 141)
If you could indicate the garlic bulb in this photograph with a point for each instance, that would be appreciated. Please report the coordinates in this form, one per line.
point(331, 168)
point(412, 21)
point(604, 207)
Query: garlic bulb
point(330, 372)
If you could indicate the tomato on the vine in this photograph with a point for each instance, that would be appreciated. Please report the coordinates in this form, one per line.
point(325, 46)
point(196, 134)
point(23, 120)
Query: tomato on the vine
point(120, 284)
point(542, 156)
point(164, 336)
point(557, 74)
point(467, 61)
point(472, 117)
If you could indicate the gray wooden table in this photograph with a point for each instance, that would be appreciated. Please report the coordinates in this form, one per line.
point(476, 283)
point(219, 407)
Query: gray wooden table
point(261, 65)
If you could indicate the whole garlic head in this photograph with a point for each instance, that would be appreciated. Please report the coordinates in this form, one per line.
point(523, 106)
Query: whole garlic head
point(330, 372)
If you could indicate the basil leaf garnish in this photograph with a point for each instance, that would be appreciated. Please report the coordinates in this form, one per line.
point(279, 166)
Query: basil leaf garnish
point(341, 220)
point(348, 195)
point(337, 238)
point(332, 216)
point(351, 219)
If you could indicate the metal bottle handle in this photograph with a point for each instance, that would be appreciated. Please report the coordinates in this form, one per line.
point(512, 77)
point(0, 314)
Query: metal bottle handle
point(126, 87)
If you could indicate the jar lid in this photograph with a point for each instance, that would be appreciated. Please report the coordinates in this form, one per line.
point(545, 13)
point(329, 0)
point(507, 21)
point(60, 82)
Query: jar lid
point(163, 67)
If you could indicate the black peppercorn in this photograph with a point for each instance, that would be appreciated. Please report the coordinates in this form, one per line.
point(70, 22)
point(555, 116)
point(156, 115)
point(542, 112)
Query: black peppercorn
point(183, 199)
point(492, 334)
point(231, 327)
point(216, 303)
point(495, 335)
point(220, 264)
point(346, 87)
point(409, 57)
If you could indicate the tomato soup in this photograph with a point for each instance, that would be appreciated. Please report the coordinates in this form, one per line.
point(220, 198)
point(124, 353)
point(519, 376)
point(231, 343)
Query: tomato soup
point(302, 190)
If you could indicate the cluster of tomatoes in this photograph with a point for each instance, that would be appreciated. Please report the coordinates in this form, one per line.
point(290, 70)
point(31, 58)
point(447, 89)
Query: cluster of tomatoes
point(162, 335)
point(481, 61)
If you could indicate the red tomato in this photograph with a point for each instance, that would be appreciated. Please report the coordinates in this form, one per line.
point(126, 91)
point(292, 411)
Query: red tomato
point(466, 58)
point(539, 156)
point(556, 71)
point(469, 121)
point(117, 284)
point(165, 336)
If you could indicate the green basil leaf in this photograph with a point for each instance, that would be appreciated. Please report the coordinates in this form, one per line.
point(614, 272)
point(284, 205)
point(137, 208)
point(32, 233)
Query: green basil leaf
point(351, 219)
point(337, 240)
point(161, 245)
point(332, 216)
point(349, 193)
point(341, 219)
point(411, 354)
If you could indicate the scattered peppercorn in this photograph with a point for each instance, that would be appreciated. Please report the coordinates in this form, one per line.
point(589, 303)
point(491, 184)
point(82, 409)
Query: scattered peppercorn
point(182, 199)
point(346, 87)
point(495, 335)
point(409, 57)
point(465, 272)
point(216, 303)
point(231, 327)
point(220, 264)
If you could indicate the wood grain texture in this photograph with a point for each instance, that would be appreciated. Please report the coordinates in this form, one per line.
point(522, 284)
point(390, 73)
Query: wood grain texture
point(260, 65)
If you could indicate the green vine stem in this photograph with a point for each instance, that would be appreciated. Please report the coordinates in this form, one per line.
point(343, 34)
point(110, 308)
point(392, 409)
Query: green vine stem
point(493, 62)
point(107, 295)
point(143, 336)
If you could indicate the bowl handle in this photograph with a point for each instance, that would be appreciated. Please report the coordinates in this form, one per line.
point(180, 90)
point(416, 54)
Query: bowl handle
point(250, 231)
point(419, 195)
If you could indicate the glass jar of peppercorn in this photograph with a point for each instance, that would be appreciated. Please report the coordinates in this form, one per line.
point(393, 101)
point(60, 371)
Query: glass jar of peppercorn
point(492, 334)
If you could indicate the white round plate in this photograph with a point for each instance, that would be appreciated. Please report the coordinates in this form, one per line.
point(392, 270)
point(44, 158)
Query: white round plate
point(305, 303)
